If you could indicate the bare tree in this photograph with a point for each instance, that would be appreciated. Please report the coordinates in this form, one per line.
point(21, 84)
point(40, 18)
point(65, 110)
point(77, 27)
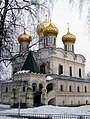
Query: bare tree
point(88, 76)
point(14, 15)
point(81, 4)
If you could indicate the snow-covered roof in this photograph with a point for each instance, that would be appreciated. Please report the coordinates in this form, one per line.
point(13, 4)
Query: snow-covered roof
point(23, 71)
point(69, 78)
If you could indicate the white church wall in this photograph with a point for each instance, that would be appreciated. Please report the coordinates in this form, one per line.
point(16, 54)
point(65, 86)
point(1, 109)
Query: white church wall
point(59, 53)
point(75, 97)
point(70, 56)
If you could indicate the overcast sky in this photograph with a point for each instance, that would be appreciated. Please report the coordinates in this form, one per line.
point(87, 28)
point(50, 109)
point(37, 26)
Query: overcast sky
point(64, 13)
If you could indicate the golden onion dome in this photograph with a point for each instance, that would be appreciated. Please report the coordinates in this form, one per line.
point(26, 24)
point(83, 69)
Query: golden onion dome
point(24, 37)
point(68, 37)
point(51, 29)
point(41, 26)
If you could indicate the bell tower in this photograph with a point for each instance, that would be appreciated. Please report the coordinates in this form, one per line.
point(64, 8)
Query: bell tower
point(50, 34)
point(47, 33)
point(39, 30)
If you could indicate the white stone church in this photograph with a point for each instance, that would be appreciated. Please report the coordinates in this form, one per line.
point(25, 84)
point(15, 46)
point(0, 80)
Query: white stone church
point(48, 76)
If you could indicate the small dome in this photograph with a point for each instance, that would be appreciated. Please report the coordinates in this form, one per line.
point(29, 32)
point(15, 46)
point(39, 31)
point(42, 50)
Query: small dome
point(24, 37)
point(68, 37)
point(51, 29)
point(41, 26)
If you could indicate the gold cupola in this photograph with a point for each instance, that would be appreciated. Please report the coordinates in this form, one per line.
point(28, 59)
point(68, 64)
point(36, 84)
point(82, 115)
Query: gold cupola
point(24, 37)
point(68, 37)
point(51, 29)
point(39, 29)
point(41, 26)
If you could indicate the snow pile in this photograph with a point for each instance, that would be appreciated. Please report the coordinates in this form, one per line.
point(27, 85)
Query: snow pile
point(4, 106)
point(83, 110)
point(49, 78)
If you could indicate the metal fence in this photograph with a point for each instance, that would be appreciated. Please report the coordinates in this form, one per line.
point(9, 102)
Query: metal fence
point(45, 116)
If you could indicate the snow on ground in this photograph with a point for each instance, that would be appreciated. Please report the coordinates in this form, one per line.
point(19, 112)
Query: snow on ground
point(1, 117)
point(82, 110)
point(4, 106)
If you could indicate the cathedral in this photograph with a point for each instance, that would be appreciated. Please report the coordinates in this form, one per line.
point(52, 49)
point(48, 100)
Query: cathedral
point(49, 75)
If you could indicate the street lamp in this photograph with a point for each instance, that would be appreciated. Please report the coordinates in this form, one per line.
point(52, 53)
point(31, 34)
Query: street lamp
point(19, 101)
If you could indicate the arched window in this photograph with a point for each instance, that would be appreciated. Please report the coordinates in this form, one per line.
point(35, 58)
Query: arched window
point(60, 69)
point(61, 87)
point(70, 70)
point(42, 68)
point(34, 86)
point(80, 73)
point(85, 89)
point(70, 88)
point(40, 87)
point(49, 87)
point(78, 89)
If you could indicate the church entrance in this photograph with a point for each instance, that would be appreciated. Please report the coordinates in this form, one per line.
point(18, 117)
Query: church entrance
point(37, 99)
point(37, 96)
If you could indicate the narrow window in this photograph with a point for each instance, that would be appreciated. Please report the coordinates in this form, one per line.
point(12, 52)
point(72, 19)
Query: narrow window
point(42, 69)
point(85, 89)
point(60, 69)
point(79, 102)
point(78, 89)
point(65, 47)
point(63, 102)
point(73, 48)
point(40, 88)
point(70, 88)
point(80, 73)
point(70, 70)
point(6, 89)
point(34, 86)
point(44, 43)
point(61, 87)
point(86, 102)
point(54, 41)
point(48, 67)
point(23, 88)
point(71, 102)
